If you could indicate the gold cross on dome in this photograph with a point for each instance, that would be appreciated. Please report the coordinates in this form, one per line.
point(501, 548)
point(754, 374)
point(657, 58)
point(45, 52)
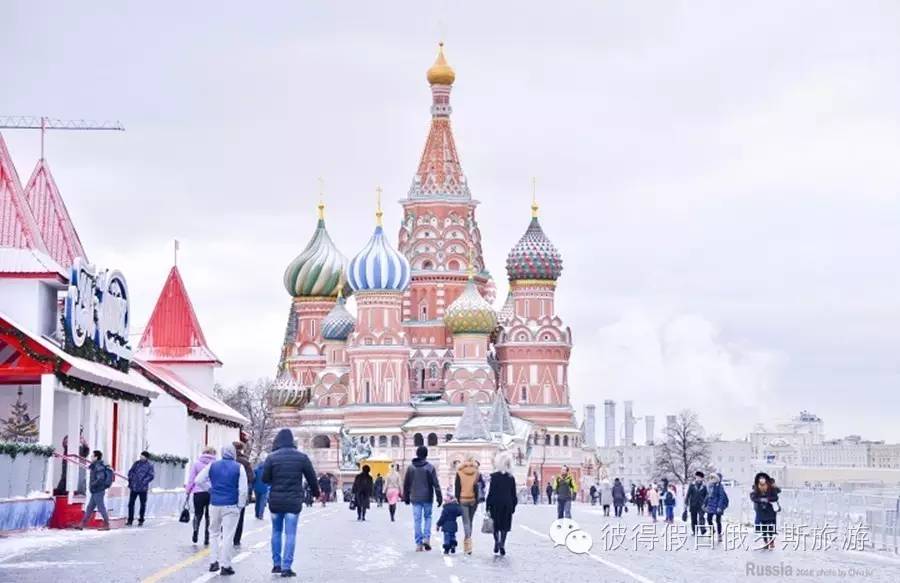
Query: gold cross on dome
point(378, 212)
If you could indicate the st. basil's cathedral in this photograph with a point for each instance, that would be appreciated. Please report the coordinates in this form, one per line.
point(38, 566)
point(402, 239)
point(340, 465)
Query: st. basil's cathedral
point(428, 360)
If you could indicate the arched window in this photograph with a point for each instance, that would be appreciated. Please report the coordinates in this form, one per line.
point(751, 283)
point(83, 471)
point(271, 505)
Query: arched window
point(427, 265)
point(448, 437)
point(321, 442)
point(547, 439)
point(372, 440)
point(368, 394)
point(382, 441)
point(418, 440)
point(524, 396)
point(395, 441)
point(432, 439)
point(453, 265)
point(555, 440)
point(433, 369)
point(565, 441)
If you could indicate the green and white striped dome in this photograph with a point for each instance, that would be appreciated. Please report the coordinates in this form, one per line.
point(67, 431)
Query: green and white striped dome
point(319, 269)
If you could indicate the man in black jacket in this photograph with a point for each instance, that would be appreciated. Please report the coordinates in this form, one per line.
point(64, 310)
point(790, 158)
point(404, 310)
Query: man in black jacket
point(284, 471)
point(695, 500)
point(420, 488)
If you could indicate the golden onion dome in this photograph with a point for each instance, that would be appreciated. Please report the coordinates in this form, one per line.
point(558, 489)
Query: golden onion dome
point(470, 313)
point(440, 73)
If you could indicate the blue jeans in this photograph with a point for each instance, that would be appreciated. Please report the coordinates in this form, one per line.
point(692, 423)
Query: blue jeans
point(563, 508)
point(261, 499)
point(422, 513)
point(287, 522)
point(670, 513)
point(449, 540)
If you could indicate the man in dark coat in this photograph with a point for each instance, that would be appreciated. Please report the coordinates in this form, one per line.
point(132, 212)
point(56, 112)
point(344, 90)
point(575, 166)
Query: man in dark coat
point(248, 469)
point(379, 490)
point(695, 500)
point(101, 478)
point(549, 493)
point(325, 488)
point(362, 492)
point(139, 477)
point(420, 488)
point(285, 470)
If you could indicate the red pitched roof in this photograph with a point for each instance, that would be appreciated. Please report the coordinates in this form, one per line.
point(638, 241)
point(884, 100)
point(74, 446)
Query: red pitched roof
point(53, 220)
point(18, 227)
point(173, 333)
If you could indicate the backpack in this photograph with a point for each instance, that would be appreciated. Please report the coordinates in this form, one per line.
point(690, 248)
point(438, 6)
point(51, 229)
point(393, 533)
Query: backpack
point(108, 478)
point(724, 499)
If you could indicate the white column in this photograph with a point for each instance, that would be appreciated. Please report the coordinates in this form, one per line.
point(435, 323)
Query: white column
point(48, 394)
point(72, 430)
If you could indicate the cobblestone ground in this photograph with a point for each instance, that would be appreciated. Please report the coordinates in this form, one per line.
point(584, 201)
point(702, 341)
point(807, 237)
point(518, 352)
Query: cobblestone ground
point(334, 547)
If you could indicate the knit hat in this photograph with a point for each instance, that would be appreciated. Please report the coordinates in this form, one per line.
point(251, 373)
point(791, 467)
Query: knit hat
point(448, 496)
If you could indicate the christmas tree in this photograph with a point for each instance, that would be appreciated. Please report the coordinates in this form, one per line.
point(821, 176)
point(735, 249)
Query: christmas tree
point(19, 426)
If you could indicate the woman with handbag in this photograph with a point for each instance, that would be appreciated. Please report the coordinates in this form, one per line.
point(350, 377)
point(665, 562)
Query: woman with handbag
point(200, 492)
point(469, 490)
point(501, 501)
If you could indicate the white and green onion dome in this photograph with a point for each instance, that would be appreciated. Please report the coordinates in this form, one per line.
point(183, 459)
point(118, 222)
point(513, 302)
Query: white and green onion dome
point(339, 323)
point(319, 269)
point(470, 313)
point(379, 267)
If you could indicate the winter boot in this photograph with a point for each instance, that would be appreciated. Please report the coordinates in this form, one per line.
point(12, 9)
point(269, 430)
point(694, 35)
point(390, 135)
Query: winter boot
point(419, 548)
point(467, 545)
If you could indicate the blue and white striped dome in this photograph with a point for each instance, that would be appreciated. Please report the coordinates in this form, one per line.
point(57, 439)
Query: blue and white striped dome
point(378, 266)
point(338, 324)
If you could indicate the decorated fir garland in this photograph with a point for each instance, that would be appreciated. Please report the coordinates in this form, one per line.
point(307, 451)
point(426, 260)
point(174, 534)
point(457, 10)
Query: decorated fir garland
point(208, 419)
point(14, 449)
point(89, 388)
point(167, 458)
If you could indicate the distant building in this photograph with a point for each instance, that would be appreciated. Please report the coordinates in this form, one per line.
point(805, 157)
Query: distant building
point(609, 415)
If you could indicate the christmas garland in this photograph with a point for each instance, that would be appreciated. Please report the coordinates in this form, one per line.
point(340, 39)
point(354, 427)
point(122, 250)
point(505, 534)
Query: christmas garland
point(89, 388)
point(74, 383)
point(167, 458)
point(208, 419)
point(14, 449)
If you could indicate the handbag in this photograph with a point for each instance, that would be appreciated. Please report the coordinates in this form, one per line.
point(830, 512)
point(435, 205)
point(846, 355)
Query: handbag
point(684, 515)
point(353, 502)
point(487, 525)
point(185, 513)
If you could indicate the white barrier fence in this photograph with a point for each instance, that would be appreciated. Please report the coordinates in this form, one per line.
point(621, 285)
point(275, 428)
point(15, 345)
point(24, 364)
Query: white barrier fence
point(830, 511)
point(22, 475)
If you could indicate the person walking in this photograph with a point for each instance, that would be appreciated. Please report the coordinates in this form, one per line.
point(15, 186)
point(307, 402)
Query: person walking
point(695, 501)
point(469, 490)
point(653, 502)
point(229, 487)
point(501, 500)
point(379, 490)
point(716, 503)
point(100, 478)
point(362, 492)
point(669, 502)
point(420, 488)
point(392, 490)
point(324, 488)
point(260, 490)
point(618, 497)
point(549, 490)
point(564, 485)
point(200, 493)
point(764, 496)
point(605, 495)
point(447, 522)
point(593, 494)
point(640, 498)
point(242, 459)
point(535, 491)
point(139, 477)
point(285, 470)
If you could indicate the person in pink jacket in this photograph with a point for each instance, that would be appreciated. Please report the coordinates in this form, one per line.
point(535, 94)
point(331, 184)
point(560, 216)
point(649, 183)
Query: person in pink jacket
point(200, 491)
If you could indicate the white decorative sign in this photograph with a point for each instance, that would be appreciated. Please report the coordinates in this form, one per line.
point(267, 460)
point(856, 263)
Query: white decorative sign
point(97, 308)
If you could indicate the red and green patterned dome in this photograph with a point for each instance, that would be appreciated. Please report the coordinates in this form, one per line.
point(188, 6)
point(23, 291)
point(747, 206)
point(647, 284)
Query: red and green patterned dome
point(534, 256)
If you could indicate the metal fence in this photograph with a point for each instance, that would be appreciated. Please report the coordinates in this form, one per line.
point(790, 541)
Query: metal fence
point(831, 511)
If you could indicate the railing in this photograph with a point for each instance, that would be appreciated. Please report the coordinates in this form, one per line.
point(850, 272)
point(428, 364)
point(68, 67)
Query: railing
point(837, 511)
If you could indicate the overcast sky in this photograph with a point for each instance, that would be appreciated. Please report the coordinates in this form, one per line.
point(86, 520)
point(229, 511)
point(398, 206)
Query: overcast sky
point(721, 180)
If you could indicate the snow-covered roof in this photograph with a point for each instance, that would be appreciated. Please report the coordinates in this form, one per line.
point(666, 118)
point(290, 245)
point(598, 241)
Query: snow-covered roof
point(173, 333)
point(202, 403)
point(18, 261)
point(131, 382)
point(432, 421)
point(374, 430)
